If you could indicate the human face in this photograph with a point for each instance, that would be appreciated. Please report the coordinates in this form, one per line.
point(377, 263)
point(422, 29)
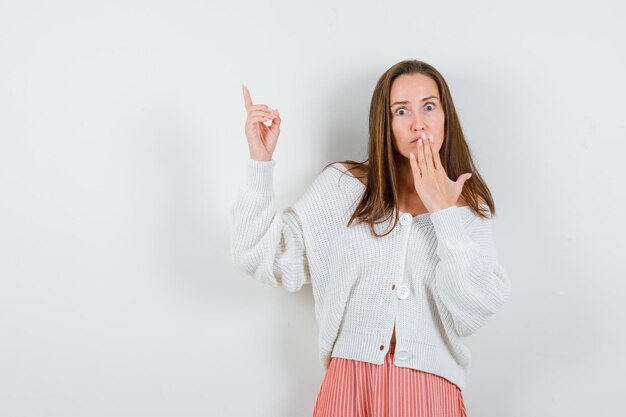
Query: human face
point(420, 110)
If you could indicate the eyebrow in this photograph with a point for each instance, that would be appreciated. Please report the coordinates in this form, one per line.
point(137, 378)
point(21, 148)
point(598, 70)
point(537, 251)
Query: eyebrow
point(406, 101)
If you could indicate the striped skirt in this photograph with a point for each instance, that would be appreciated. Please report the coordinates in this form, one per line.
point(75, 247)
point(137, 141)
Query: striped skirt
point(360, 389)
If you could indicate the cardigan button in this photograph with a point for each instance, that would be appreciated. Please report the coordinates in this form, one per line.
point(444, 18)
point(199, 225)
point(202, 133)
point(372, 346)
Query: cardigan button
point(403, 292)
point(406, 218)
point(402, 354)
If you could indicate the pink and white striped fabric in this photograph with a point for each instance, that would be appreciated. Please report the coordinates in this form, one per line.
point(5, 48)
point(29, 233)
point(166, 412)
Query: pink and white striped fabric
point(360, 389)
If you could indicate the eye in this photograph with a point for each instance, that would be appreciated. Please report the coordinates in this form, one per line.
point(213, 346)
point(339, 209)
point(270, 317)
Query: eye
point(400, 109)
point(432, 106)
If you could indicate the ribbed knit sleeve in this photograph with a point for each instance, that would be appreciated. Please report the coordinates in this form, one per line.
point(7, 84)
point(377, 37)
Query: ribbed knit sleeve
point(265, 243)
point(470, 285)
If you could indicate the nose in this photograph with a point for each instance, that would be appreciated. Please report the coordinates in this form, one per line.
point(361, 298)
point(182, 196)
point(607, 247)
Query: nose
point(417, 125)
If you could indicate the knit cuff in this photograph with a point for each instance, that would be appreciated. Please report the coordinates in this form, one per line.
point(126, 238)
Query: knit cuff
point(260, 175)
point(448, 224)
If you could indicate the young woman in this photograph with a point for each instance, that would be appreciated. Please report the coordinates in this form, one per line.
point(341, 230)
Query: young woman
point(399, 252)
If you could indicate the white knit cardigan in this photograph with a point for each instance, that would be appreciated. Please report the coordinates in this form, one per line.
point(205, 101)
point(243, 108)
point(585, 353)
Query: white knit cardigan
point(435, 276)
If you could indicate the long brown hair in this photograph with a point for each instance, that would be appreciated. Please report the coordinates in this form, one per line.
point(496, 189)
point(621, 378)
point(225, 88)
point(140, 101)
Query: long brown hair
point(380, 197)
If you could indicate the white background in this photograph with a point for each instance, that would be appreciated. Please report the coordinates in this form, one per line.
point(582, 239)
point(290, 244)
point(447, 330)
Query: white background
point(122, 148)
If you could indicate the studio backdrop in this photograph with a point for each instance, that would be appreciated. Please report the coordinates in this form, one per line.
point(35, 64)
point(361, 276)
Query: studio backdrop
point(122, 149)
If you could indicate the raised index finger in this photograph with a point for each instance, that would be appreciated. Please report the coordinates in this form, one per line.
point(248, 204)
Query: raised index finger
point(246, 96)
